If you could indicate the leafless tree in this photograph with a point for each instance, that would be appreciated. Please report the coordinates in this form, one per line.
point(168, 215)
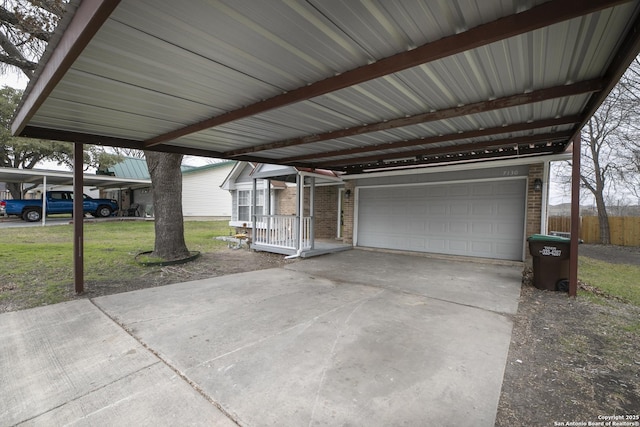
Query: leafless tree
point(609, 140)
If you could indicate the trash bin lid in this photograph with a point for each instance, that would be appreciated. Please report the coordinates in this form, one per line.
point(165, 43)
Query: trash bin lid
point(547, 238)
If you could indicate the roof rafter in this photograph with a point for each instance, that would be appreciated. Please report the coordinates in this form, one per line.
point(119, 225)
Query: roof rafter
point(578, 88)
point(518, 127)
point(526, 146)
point(472, 146)
point(540, 16)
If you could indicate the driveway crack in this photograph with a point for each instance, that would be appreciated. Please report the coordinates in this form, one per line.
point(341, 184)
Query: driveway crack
point(177, 371)
point(332, 353)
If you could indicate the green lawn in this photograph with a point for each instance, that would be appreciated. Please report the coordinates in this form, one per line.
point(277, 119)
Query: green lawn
point(36, 262)
point(619, 280)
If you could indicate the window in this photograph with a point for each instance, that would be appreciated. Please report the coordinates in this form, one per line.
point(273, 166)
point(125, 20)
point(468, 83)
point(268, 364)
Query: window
point(244, 204)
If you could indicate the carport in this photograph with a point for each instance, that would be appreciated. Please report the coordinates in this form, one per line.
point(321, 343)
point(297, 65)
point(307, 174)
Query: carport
point(52, 177)
point(353, 87)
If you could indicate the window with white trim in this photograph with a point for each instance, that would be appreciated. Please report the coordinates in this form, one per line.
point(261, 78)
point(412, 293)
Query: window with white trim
point(244, 204)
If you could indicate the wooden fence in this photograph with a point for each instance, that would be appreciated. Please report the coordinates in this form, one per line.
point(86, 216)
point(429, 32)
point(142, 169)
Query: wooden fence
point(625, 230)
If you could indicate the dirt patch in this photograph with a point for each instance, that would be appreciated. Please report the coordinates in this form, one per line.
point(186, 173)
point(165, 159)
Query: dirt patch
point(221, 263)
point(573, 360)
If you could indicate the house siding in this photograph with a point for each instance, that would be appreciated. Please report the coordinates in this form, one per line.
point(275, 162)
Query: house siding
point(202, 195)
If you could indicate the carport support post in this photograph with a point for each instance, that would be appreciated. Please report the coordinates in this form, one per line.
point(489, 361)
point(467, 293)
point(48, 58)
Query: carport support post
point(254, 198)
point(44, 200)
point(78, 221)
point(300, 208)
point(575, 217)
point(312, 209)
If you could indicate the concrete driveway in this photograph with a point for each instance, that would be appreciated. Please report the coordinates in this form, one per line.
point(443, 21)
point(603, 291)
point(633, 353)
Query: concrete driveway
point(353, 338)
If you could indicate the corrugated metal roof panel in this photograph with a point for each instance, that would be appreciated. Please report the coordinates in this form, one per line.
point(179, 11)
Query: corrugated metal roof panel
point(158, 65)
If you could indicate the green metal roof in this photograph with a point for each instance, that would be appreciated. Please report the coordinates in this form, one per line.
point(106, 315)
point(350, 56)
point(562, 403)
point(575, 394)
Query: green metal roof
point(192, 169)
point(131, 167)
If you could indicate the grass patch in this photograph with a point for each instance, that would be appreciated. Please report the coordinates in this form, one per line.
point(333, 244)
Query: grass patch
point(38, 261)
point(618, 280)
point(633, 328)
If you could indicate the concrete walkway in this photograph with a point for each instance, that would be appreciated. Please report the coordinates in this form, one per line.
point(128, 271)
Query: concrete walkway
point(353, 338)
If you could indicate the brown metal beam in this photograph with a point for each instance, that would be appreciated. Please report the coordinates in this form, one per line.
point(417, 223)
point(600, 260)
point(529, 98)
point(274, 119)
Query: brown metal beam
point(575, 217)
point(85, 23)
point(519, 127)
point(78, 219)
point(87, 138)
point(448, 113)
point(540, 16)
point(522, 140)
point(469, 156)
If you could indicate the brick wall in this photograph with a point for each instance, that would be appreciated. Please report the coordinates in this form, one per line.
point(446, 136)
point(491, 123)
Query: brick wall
point(348, 209)
point(534, 203)
point(286, 201)
point(326, 208)
point(326, 212)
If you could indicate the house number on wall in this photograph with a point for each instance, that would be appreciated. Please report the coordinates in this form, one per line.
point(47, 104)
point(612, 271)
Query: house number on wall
point(510, 172)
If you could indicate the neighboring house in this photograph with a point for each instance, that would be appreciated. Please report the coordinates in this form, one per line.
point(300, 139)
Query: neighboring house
point(201, 192)
point(135, 199)
point(483, 209)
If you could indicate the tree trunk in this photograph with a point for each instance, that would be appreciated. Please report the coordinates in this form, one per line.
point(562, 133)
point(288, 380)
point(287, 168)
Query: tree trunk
point(166, 177)
point(15, 190)
point(603, 220)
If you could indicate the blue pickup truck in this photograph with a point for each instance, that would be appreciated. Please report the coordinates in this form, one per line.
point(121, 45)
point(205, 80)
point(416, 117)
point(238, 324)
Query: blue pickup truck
point(58, 202)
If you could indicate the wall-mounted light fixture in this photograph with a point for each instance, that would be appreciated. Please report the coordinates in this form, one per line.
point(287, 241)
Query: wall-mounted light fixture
point(347, 194)
point(537, 185)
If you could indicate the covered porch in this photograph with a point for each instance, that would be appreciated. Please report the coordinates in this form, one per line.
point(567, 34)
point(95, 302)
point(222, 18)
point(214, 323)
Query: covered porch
point(293, 235)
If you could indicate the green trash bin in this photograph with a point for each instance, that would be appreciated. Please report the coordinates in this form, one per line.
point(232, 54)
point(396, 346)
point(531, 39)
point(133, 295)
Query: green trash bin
point(550, 261)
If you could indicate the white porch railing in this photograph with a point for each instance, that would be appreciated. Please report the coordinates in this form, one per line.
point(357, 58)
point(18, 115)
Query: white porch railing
point(282, 231)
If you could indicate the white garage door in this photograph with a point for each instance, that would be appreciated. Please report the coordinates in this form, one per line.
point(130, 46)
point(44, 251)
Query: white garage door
point(481, 219)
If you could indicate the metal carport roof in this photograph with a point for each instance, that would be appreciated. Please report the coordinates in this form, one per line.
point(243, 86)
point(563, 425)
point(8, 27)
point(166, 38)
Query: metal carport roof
point(351, 86)
point(35, 176)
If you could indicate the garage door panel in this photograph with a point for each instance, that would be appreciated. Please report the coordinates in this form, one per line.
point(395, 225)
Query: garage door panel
point(484, 219)
point(457, 227)
point(483, 207)
point(437, 227)
point(437, 209)
point(509, 188)
point(459, 208)
point(509, 228)
point(483, 191)
point(482, 228)
point(458, 246)
point(436, 245)
point(459, 191)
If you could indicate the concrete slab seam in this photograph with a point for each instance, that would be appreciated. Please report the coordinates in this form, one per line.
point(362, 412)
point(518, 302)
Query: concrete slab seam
point(88, 393)
point(179, 373)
